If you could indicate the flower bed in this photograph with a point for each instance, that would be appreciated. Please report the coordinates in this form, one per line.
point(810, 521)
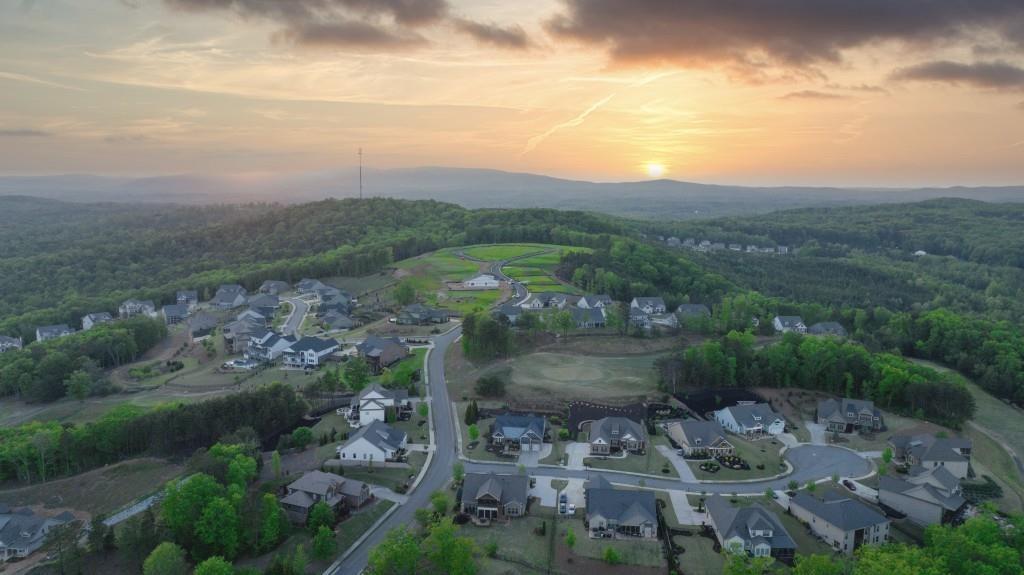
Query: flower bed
point(733, 462)
point(710, 467)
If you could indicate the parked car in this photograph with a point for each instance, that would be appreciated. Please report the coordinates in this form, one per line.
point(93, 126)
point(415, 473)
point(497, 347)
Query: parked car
point(563, 501)
point(572, 508)
point(849, 485)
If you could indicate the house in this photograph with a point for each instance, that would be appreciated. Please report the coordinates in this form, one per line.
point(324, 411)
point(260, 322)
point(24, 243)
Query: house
point(927, 451)
point(381, 352)
point(201, 326)
point(931, 497)
point(618, 513)
point(549, 299)
point(376, 442)
point(519, 432)
point(264, 304)
point(588, 318)
point(594, 301)
point(307, 285)
point(831, 328)
point(639, 318)
point(337, 321)
point(189, 297)
point(252, 316)
point(338, 304)
point(510, 312)
point(700, 438)
point(309, 352)
point(494, 496)
point(274, 287)
point(316, 486)
point(789, 323)
point(839, 521)
point(752, 530)
point(482, 281)
point(319, 289)
point(93, 319)
point(419, 314)
point(751, 419)
point(175, 313)
point(48, 332)
point(238, 333)
point(846, 415)
point(229, 296)
point(372, 403)
point(267, 347)
point(648, 305)
point(668, 320)
point(613, 434)
point(673, 242)
point(8, 343)
point(133, 307)
point(22, 532)
point(693, 311)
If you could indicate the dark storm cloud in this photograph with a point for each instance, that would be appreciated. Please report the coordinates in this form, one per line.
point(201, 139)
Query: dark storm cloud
point(347, 34)
point(812, 95)
point(24, 133)
point(997, 75)
point(785, 33)
point(503, 37)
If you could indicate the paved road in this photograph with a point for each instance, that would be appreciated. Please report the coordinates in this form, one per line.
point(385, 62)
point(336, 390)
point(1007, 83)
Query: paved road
point(294, 321)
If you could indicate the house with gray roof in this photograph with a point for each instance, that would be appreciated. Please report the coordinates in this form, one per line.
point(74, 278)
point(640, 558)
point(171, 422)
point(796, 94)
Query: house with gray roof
point(847, 415)
point(830, 328)
point(752, 530)
point(377, 442)
point(839, 521)
point(237, 333)
point(639, 318)
point(381, 352)
point(316, 486)
point(373, 402)
point(588, 318)
point(649, 305)
point(514, 433)
point(189, 297)
point(91, 320)
point(419, 314)
point(274, 287)
point(22, 531)
point(201, 326)
point(268, 347)
point(8, 343)
point(619, 513)
point(693, 311)
point(789, 324)
point(309, 351)
point(495, 496)
point(134, 307)
point(700, 438)
point(931, 497)
point(543, 300)
point(175, 313)
point(337, 321)
point(48, 332)
point(591, 301)
point(614, 434)
point(509, 312)
point(752, 419)
point(264, 304)
point(928, 452)
point(229, 296)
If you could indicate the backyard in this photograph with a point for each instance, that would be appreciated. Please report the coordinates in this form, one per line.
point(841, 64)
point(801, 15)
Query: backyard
point(518, 543)
point(391, 478)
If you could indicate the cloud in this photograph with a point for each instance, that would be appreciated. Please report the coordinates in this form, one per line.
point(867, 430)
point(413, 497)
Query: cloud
point(512, 37)
point(997, 75)
point(535, 141)
point(33, 80)
point(23, 133)
point(812, 95)
point(334, 23)
point(791, 34)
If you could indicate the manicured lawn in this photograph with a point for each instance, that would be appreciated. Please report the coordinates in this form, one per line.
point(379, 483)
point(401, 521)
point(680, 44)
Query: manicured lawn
point(484, 425)
point(498, 252)
point(764, 452)
point(699, 556)
point(440, 266)
point(651, 463)
point(353, 528)
point(557, 447)
point(388, 477)
point(633, 551)
point(417, 433)
point(330, 420)
point(466, 301)
point(517, 542)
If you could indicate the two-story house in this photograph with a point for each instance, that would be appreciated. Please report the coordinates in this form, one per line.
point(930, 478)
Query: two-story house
point(309, 352)
point(846, 415)
point(613, 434)
point(91, 320)
point(381, 352)
point(22, 531)
point(229, 296)
point(268, 347)
point(373, 402)
point(514, 433)
point(839, 521)
point(175, 313)
point(189, 297)
point(48, 332)
point(700, 438)
point(648, 305)
point(8, 343)
point(316, 486)
point(594, 301)
point(927, 497)
point(133, 307)
point(926, 451)
point(493, 496)
point(377, 442)
point(752, 530)
point(789, 324)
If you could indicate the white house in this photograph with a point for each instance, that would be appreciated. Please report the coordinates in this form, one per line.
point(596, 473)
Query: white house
point(594, 301)
point(22, 532)
point(48, 332)
point(309, 351)
point(8, 343)
point(268, 346)
point(133, 307)
point(372, 403)
point(482, 281)
point(751, 419)
point(648, 305)
point(91, 320)
point(375, 442)
point(789, 323)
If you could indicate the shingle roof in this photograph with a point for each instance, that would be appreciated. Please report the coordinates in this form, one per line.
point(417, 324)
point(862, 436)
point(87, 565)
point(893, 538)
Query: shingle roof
point(927, 447)
point(316, 482)
point(789, 321)
point(653, 301)
point(609, 428)
point(314, 344)
point(515, 426)
point(702, 433)
point(827, 328)
point(591, 315)
point(847, 408)
point(593, 300)
point(924, 492)
point(506, 488)
point(736, 522)
point(176, 310)
point(745, 414)
point(381, 435)
point(626, 507)
point(693, 310)
point(843, 512)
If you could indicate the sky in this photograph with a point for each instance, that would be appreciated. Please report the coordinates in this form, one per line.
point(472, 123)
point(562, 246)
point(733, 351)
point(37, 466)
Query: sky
point(765, 92)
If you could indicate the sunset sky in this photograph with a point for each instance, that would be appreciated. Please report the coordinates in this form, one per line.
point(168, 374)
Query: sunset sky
point(841, 92)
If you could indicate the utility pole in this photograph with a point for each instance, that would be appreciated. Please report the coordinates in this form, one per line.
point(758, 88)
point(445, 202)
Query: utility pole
point(360, 173)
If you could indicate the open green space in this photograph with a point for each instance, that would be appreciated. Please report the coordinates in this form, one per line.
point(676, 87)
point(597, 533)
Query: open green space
point(360, 285)
point(764, 452)
point(388, 477)
point(500, 252)
point(464, 301)
point(517, 542)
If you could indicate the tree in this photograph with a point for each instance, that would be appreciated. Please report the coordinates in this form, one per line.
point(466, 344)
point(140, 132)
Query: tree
point(570, 538)
point(166, 559)
point(405, 292)
point(458, 471)
point(611, 556)
point(811, 486)
point(184, 503)
point(490, 386)
point(357, 374)
point(214, 566)
point(439, 501)
point(472, 413)
point(474, 432)
point(793, 485)
point(272, 522)
point(887, 455)
point(817, 565)
point(275, 463)
point(299, 560)
point(99, 535)
point(218, 530)
point(301, 437)
point(324, 543)
point(62, 541)
point(398, 554)
point(424, 517)
point(241, 471)
point(320, 515)
point(741, 564)
point(138, 537)
point(562, 321)
point(78, 384)
point(448, 553)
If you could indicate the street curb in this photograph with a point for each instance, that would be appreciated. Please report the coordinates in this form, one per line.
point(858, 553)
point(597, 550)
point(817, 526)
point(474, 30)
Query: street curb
point(355, 545)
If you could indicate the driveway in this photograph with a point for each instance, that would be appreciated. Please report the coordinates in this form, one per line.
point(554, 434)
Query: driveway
point(788, 439)
point(549, 496)
point(817, 432)
point(685, 512)
point(864, 491)
point(389, 495)
point(532, 458)
point(576, 452)
point(684, 471)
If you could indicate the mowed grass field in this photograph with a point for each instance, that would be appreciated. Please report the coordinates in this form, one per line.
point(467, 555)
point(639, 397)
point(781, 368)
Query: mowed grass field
point(501, 252)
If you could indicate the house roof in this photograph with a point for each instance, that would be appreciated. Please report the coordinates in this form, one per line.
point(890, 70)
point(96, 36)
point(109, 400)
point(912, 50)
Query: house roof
point(754, 414)
point(8, 340)
point(927, 447)
point(607, 429)
point(314, 344)
point(338, 320)
point(99, 317)
point(515, 426)
point(228, 293)
point(274, 285)
point(56, 329)
point(147, 303)
point(202, 321)
point(187, 293)
point(652, 301)
point(593, 300)
point(590, 315)
point(738, 522)
point(483, 278)
point(693, 310)
point(317, 482)
point(264, 300)
point(846, 408)
point(506, 488)
point(381, 435)
point(15, 523)
point(938, 476)
point(924, 492)
point(509, 310)
point(399, 394)
point(827, 328)
point(843, 512)
point(376, 346)
point(176, 310)
point(789, 321)
point(626, 507)
point(702, 433)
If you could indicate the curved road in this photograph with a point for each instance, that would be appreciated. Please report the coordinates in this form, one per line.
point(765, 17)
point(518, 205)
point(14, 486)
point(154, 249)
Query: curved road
point(810, 462)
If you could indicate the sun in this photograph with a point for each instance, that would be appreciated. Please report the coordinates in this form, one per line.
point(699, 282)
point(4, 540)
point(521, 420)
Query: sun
point(655, 169)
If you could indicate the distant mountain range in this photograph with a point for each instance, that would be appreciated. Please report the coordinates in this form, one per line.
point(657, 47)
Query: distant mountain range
point(476, 188)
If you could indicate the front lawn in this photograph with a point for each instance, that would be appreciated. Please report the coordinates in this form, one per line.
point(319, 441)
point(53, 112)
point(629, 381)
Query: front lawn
point(651, 463)
point(479, 451)
point(764, 452)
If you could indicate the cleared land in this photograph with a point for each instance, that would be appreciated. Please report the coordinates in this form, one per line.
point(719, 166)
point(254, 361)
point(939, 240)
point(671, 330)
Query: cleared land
point(430, 272)
point(501, 252)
